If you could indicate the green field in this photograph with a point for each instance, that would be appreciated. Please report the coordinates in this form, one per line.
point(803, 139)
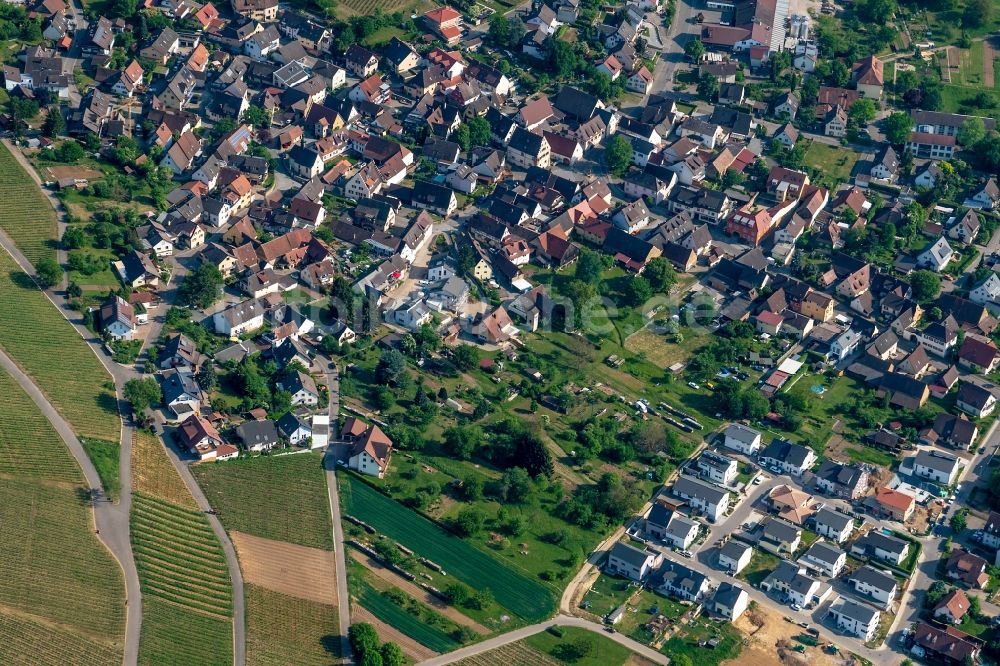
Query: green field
point(398, 618)
point(512, 589)
point(687, 643)
point(49, 349)
point(603, 651)
point(179, 558)
point(277, 497)
point(25, 215)
point(174, 636)
point(30, 643)
point(830, 165)
point(283, 630)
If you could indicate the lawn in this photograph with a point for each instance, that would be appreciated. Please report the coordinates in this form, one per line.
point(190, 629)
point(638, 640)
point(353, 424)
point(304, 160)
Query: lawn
point(277, 497)
point(830, 165)
point(761, 564)
point(154, 475)
point(827, 412)
point(603, 651)
point(871, 456)
point(402, 620)
point(107, 461)
point(348, 8)
point(686, 643)
point(284, 630)
point(511, 589)
point(174, 636)
point(606, 594)
point(25, 214)
point(34, 333)
point(971, 626)
point(179, 557)
point(103, 279)
point(656, 349)
point(25, 641)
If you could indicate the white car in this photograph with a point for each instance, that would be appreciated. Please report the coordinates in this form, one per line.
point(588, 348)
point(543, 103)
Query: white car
point(693, 385)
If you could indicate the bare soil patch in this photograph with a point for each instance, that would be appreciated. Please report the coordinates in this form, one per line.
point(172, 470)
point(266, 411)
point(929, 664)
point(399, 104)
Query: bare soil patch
point(771, 640)
point(989, 55)
point(419, 593)
point(78, 172)
point(411, 648)
point(297, 571)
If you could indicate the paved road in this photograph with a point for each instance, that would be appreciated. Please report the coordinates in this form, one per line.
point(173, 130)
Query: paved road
point(558, 621)
point(330, 462)
point(111, 519)
point(681, 31)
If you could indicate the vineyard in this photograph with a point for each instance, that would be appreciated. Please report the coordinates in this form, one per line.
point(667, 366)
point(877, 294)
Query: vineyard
point(54, 566)
point(28, 643)
point(173, 636)
point(25, 214)
point(277, 497)
point(284, 630)
point(48, 348)
point(346, 8)
point(154, 475)
point(514, 654)
point(29, 446)
point(384, 609)
point(179, 558)
point(512, 589)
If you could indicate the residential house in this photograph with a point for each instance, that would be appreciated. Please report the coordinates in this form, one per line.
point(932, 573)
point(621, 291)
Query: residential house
point(371, 449)
point(968, 569)
point(834, 524)
point(258, 435)
point(936, 256)
point(788, 457)
point(742, 438)
point(881, 546)
point(975, 400)
point(948, 646)
point(952, 607)
point(676, 580)
point(841, 480)
point(895, 504)
point(295, 429)
point(855, 619)
point(302, 388)
point(936, 466)
point(875, 585)
point(631, 562)
point(780, 537)
point(718, 469)
point(729, 601)
point(703, 497)
point(734, 556)
point(824, 558)
point(979, 355)
point(201, 439)
point(117, 319)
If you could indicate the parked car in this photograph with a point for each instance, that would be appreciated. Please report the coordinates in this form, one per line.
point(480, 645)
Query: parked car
point(693, 385)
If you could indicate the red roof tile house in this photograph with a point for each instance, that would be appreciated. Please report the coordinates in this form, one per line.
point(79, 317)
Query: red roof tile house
point(202, 439)
point(978, 355)
point(953, 607)
point(967, 568)
point(751, 223)
point(372, 447)
point(869, 78)
point(947, 646)
point(445, 22)
point(894, 504)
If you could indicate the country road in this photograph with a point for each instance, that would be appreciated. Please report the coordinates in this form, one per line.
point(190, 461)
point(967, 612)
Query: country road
point(330, 463)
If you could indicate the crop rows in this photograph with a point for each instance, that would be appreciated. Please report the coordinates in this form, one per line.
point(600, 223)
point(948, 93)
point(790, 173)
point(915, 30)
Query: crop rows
point(174, 636)
point(49, 349)
point(179, 558)
point(53, 565)
point(154, 475)
point(284, 630)
point(512, 590)
point(282, 498)
point(29, 643)
point(25, 215)
point(29, 445)
point(384, 609)
point(514, 654)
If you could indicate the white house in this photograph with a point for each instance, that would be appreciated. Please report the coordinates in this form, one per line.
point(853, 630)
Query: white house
point(874, 585)
point(987, 292)
point(717, 468)
point(825, 558)
point(371, 450)
point(734, 556)
point(302, 388)
point(855, 619)
point(833, 524)
point(844, 345)
point(936, 256)
point(936, 466)
point(743, 439)
point(239, 318)
point(713, 501)
point(730, 601)
point(631, 562)
point(788, 457)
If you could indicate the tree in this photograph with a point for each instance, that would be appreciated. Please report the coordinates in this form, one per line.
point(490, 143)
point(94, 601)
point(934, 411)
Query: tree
point(897, 127)
point(257, 117)
point(977, 13)
point(465, 357)
point(468, 522)
point(957, 522)
point(392, 655)
point(660, 274)
point(576, 650)
point(926, 285)
point(935, 593)
point(971, 132)
point(708, 87)
point(638, 291)
point(142, 393)
point(694, 49)
point(589, 266)
point(202, 287)
point(55, 123)
point(500, 29)
point(862, 111)
point(462, 441)
point(875, 12)
point(534, 456)
point(48, 273)
point(390, 366)
point(207, 377)
point(342, 297)
point(681, 660)
point(618, 155)
point(363, 638)
point(514, 486)
point(480, 131)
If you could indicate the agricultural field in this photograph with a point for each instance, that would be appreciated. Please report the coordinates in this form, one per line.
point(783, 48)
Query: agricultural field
point(33, 332)
point(27, 642)
point(25, 214)
point(512, 589)
point(285, 630)
point(514, 654)
point(175, 636)
point(54, 565)
point(154, 475)
point(179, 558)
point(403, 620)
point(603, 652)
point(349, 8)
point(277, 497)
point(30, 448)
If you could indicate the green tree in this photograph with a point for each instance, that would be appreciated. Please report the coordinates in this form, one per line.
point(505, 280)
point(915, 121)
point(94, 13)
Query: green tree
point(971, 132)
point(977, 14)
point(618, 155)
point(202, 287)
point(48, 273)
point(461, 441)
point(926, 285)
point(257, 117)
point(935, 593)
point(637, 291)
point(363, 638)
point(55, 123)
point(958, 520)
point(142, 393)
point(708, 87)
point(391, 365)
point(479, 131)
point(694, 49)
point(661, 274)
point(897, 128)
point(465, 357)
point(589, 266)
point(392, 655)
point(207, 378)
point(469, 522)
point(862, 112)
